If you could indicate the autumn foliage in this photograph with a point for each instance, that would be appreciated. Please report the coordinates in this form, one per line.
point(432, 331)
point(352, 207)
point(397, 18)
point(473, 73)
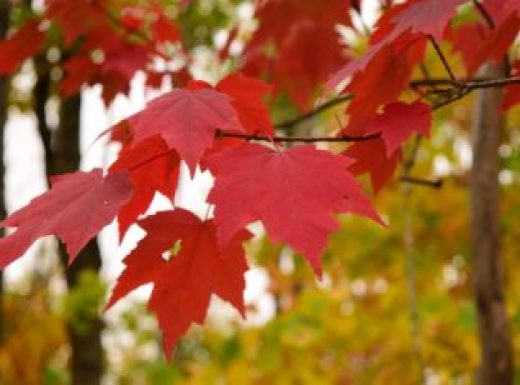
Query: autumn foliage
point(294, 191)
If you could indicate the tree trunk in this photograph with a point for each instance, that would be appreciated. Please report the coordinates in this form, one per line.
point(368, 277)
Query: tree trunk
point(87, 352)
point(494, 332)
point(4, 95)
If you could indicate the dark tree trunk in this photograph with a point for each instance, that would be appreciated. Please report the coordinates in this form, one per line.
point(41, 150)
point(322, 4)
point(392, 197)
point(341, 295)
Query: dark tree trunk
point(4, 95)
point(494, 333)
point(87, 352)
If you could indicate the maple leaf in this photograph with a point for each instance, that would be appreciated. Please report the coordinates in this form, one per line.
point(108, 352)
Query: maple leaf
point(398, 121)
point(364, 106)
point(76, 17)
point(371, 157)
point(23, 44)
point(429, 17)
point(399, 29)
point(164, 30)
point(153, 168)
point(463, 39)
point(500, 10)
point(183, 284)
point(187, 120)
point(77, 207)
point(247, 94)
point(306, 45)
point(293, 192)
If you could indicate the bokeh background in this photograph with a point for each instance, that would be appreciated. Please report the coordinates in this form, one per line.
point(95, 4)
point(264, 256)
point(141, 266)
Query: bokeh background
point(395, 304)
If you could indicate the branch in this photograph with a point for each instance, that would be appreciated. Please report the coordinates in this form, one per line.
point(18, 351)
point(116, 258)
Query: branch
point(433, 183)
point(484, 13)
point(443, 59)
point(312, 113)
point(466, 85)
point(304, 139)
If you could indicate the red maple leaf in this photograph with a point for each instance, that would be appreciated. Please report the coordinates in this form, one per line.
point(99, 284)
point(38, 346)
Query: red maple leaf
point(428, 17)
point(23, 44)
point(399, 121)
point(248, 94)
point(153, 168)
point(400, 28)
point(463, 38)
point(184, 282)
point(306, 45)
point(77, 207)
point(187, 120)
point(293, 192)
point(500, 10)
point(392, 59)
point(371, 157)
point(76, 17)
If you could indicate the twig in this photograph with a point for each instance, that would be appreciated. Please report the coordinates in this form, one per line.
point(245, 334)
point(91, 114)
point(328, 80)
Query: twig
point(491, 24)
point(312, 113)
point(435, 183)
point(463, 84)
point(443, 60)
point(303, 139)
point(484, 13)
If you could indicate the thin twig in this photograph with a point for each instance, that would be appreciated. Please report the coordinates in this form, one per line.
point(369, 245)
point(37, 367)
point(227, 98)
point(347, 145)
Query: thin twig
point(471, 84)
point(312, 113)
point(432, 183)
point(443, 60)
point(484, 13)
point(303, 139)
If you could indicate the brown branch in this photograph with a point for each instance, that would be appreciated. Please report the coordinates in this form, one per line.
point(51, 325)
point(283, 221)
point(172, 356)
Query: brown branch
point(460, 84)
point(303, 139)
point(443, 59)
point(484, 13)
point(433, 183)
point(312, 113)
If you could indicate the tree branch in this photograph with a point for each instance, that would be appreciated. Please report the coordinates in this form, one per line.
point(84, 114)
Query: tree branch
point(484, 13)
point(443, 59)
point(312, 113)
point(432, 183)
point(466, 85)
point(304, 139)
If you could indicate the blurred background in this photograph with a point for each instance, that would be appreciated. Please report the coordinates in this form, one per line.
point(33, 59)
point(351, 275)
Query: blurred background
point(395, 305)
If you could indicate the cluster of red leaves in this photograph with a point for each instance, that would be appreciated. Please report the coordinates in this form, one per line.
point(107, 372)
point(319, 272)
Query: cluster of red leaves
point(102, 43)
point(295, 192)
point(296, 46)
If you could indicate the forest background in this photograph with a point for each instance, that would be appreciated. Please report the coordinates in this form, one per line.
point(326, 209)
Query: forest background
point(396, 305)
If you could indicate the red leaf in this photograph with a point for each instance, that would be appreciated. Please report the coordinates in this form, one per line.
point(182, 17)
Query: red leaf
point(183, 285)
point(153, 168)
point(463, 38)
point(392, 59)
point(306, 45)
point(500, 10)
point(429, 17)
point(294, 193)
point(371, 157)
point(399, 121)
point(400, 27)
point(187, 120)
point(164, 30)
point(77, 207)
point(248, 94)
point(23, 44)
point(76, 17)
